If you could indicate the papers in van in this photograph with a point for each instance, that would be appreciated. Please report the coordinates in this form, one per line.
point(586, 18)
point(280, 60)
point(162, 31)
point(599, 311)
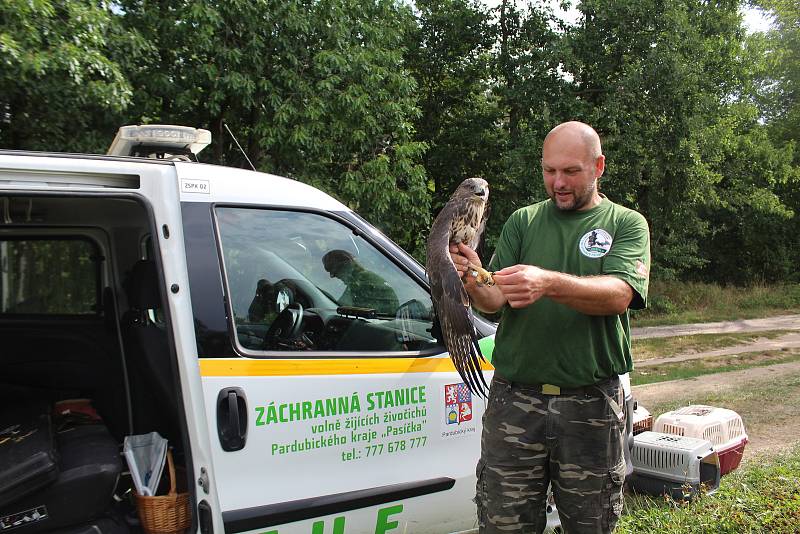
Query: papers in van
point(145, 454)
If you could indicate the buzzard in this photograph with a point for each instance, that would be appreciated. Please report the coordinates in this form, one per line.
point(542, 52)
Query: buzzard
point(461, 220)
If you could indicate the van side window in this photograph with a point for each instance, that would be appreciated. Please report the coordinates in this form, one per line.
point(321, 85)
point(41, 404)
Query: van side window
point(52, 276)
point(304, 282)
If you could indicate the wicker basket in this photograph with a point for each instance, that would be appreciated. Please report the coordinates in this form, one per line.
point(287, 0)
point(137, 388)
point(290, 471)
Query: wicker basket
point(165, 514)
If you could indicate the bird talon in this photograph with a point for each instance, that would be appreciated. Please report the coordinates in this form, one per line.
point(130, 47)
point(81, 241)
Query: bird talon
point(482, 276)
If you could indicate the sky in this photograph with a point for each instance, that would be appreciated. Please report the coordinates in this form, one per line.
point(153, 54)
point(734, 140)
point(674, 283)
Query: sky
point(754, 19)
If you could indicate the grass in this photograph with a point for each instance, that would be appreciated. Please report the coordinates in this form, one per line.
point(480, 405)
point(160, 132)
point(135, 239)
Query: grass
point(681, 302)
point(650, 348)
point(705, 366)
point(765, 497)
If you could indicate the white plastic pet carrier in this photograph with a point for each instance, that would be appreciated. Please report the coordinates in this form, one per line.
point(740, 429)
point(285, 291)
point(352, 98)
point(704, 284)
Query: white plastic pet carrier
point(673, 465)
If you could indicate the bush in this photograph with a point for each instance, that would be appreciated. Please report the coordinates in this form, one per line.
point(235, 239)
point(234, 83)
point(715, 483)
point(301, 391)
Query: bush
point(672, 302)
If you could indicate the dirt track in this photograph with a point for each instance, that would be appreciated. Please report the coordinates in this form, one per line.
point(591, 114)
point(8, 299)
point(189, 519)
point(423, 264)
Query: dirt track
point(780, 322)
point(784, 342)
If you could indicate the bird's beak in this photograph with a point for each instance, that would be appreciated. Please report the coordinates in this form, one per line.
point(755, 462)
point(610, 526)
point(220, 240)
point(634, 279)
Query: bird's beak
point(480, 192)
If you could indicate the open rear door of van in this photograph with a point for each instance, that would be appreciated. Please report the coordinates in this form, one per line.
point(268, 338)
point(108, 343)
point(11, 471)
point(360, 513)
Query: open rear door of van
point(169, 245)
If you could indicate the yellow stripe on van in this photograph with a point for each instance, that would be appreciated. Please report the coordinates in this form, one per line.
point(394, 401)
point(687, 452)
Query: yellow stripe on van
point(310, 366)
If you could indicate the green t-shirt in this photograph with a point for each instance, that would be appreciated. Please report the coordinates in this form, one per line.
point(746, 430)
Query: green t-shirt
point(366, 289)
point(548, 342)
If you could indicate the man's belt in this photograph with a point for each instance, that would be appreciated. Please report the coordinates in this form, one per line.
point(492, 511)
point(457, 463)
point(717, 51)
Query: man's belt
point(595, 390)
point(589, 391)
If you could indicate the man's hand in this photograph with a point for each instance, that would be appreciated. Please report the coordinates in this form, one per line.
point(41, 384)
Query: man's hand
point(462, 256)
point(485, 297)
point(522, 285)
point(465, 257)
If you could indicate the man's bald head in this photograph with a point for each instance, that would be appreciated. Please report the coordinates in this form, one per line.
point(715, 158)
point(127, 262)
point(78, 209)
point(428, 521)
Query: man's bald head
point(572, 164)
point(577, 131)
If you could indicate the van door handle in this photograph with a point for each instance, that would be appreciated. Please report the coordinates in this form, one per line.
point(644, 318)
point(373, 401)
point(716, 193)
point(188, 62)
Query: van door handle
point(205, 519)
point(232, 418)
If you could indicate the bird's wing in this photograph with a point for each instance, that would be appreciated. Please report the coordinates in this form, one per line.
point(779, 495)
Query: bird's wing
point(452, 306)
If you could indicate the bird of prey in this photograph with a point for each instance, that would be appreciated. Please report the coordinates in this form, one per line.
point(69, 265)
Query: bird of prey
point(461, 220)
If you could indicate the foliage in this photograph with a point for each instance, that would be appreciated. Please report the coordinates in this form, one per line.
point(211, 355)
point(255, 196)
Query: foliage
point(673, 302)
point(56, 75)
point(653, 75)
point(777, 92)
point(488, 87)
point(533, 97)
point(449, 54)
point(34, 285)
point(313, 90)
point(751, 237)
point(388, 106)
point(780, 82)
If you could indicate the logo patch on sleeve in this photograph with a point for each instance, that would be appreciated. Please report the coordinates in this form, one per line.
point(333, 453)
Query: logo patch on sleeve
point(595, 243)
point(642, 269)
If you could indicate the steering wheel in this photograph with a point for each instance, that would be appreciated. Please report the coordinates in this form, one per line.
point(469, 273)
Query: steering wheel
point(286, 326)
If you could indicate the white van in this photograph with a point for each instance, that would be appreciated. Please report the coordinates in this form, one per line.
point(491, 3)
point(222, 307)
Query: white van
point(142, 294)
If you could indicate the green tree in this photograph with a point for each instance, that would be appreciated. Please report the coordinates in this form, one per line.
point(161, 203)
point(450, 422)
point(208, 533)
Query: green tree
point(533, 96)
point(653, 77)
point(313, 90)
point(751, 237)
point(780, 81)
point(449, 54)
point(489, 89)
point(779, 97)
point(56, 74)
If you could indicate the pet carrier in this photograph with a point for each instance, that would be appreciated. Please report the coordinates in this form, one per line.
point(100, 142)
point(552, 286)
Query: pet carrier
point(723, 428)
point(673, 465)
point(642, 420)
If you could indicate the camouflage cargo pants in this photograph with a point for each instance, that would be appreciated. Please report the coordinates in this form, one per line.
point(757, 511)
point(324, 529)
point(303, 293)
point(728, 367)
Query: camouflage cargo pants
point(530, 440)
